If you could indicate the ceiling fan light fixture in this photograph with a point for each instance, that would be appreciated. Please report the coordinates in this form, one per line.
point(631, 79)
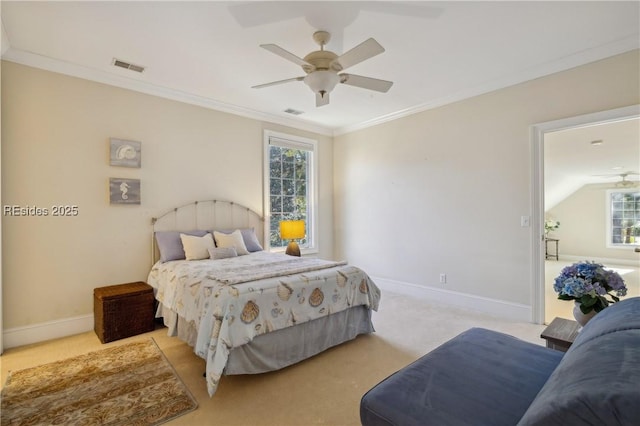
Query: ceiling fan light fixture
point(322, 82)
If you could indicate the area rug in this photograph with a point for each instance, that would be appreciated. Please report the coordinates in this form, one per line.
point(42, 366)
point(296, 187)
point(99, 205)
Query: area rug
point(131, 384)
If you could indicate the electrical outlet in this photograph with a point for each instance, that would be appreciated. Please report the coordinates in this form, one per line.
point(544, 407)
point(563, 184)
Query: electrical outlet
point(443, 278)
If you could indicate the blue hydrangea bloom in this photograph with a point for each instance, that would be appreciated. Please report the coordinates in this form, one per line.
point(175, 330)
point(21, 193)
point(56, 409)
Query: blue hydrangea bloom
point(589, 283)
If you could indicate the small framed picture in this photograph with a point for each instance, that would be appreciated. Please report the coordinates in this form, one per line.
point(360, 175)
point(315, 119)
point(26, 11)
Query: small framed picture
point(124, 191)
point(125, 153)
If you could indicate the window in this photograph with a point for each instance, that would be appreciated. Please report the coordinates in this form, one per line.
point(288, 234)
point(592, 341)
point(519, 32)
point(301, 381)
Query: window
point(623, 218)
point(290, 187)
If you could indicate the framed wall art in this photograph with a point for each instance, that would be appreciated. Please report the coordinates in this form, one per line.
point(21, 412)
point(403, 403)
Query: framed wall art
point(124, 153)
point(124, 191)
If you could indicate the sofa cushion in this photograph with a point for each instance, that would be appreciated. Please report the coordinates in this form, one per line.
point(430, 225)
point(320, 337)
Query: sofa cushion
point(598, 380)
point(480, 377)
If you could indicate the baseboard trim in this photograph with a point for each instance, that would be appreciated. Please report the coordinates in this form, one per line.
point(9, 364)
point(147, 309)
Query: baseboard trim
point(603, 260)
point(498, 308)
point(20, 336)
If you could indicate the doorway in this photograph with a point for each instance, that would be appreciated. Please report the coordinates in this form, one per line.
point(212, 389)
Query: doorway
point(538, 133)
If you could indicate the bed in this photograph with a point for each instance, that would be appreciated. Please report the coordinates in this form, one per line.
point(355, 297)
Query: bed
point(245, 310)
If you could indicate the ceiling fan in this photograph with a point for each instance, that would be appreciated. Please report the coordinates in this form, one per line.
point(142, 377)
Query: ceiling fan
point(322, 67)
point(623, 182)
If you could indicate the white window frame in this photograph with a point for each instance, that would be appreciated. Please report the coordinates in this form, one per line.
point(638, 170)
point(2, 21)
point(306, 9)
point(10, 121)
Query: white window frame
point(608, 217)
point(297, 142)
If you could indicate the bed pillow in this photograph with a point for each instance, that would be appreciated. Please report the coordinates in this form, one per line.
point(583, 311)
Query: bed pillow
point(248, 236)
point(222, 252)
point(233, 239)
point(196, 248)
point(170, 244)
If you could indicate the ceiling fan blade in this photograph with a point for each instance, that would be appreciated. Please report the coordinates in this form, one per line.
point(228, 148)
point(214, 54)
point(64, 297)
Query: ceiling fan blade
point(286, 55)
point(366, 82)
point(365, 50)
point(273, 83)
point(322, 100)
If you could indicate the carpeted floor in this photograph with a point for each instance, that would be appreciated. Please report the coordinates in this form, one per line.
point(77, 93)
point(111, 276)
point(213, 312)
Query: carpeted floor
point(323, 390)
point(130, 384)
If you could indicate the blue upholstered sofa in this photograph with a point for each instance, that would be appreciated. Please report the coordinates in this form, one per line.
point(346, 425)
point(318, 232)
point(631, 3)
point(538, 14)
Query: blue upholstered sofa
point(483, 377)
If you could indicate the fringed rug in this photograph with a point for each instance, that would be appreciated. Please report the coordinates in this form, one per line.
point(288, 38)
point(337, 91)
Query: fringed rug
point(132, 384)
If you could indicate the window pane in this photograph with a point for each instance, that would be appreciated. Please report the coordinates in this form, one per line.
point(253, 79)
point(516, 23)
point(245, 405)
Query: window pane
point(288, 186)
point(288, 170)
point(288, 206)
point(276, 204)
point(275, 169)
point(275, 186)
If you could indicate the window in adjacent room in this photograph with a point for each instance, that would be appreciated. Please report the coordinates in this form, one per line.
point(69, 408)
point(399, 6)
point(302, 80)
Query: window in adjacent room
point(623, 218)
point(290, 187)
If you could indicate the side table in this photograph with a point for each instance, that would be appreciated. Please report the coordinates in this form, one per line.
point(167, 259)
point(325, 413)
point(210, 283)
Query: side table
point(560, 334)
point(547, 253)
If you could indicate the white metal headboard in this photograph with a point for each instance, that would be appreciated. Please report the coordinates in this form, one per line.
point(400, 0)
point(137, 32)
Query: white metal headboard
point(206, 215)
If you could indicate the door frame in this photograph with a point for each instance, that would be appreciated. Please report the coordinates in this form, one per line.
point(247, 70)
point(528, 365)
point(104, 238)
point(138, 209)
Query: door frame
point(537, 132)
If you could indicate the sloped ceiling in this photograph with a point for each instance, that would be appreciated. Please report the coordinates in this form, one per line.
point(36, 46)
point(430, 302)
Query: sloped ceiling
point(603, 153)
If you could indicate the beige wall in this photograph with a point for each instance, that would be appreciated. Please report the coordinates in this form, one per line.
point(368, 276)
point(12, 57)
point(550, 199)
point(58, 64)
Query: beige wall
point(443, 191)
point(582, 233)
point(55, 137)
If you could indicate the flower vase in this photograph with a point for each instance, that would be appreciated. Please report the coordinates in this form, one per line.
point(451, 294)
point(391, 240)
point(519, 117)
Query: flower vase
point(580, 317)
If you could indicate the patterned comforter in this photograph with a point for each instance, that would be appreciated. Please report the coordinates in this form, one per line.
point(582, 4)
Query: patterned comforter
point(231, 301)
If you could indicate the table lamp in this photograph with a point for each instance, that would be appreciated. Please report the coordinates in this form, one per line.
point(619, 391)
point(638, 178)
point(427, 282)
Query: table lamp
point(292, 230)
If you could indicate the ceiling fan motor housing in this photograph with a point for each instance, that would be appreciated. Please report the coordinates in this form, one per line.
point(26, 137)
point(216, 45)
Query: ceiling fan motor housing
point(320, 59)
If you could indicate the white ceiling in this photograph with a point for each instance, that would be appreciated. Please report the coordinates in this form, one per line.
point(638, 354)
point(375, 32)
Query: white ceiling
point(207, 53)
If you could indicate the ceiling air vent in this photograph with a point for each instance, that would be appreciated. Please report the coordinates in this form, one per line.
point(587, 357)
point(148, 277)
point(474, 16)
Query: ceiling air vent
point(293, 111)
point(127, 65)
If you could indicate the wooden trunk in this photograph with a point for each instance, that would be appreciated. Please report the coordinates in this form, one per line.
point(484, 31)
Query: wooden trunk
point(123, 310)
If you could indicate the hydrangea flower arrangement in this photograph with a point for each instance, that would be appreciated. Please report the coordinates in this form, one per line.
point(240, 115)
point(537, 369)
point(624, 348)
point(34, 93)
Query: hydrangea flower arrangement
point(589, 284)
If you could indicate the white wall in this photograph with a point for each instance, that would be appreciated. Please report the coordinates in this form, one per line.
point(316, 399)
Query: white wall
point(582, 233)
point(55, 138)
point(443, 191)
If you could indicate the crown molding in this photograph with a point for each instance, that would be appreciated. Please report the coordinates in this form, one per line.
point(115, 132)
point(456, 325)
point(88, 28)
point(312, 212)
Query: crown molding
point(99, 76)
point(584, 57)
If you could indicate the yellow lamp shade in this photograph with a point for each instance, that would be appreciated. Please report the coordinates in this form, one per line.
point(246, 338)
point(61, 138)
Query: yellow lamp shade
point(292, 229)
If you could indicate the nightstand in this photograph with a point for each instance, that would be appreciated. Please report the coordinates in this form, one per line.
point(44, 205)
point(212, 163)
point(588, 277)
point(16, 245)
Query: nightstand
point(560, 334)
